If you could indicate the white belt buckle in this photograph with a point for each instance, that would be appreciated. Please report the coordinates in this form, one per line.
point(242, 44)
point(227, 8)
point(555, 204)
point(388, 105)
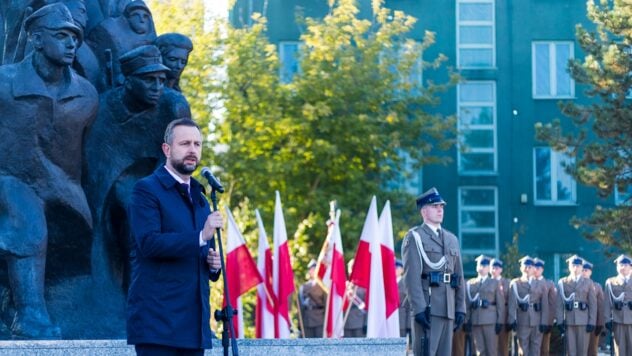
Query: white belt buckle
point(446, 278)
point(575, 305)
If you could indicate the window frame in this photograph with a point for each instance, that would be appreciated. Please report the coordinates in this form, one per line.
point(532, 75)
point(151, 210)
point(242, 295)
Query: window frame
point(485, 208)
point(552, 70)
point(493, 126)
point(467, 23)
point(281, 49)
point(554, 168)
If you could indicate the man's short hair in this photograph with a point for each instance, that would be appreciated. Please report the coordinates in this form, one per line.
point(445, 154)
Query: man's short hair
point(175, 123)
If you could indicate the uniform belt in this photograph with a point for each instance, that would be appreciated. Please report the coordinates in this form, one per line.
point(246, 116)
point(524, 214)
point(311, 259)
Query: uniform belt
point(447, 277)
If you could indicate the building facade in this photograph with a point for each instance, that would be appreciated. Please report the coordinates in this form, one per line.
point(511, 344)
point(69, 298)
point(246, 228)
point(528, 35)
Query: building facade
point(513, 57)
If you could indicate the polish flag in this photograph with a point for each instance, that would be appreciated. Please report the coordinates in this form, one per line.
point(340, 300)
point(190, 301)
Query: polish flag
point(264, 311)
point(391, 292)
point(241, 271)
point(362, 260)
point(334, 313)
point(323, 265)
point(282, 275)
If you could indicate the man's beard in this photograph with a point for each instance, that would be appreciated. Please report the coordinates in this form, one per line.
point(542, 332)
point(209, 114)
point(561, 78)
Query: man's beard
point(184, 168)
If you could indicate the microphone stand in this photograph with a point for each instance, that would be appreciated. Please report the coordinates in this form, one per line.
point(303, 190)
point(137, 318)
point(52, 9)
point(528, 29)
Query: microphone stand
point(226, 314)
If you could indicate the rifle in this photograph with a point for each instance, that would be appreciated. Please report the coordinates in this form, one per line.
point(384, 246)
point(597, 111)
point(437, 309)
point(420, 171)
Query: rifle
point(563, 333)
point(611, 333)
point(469, 350)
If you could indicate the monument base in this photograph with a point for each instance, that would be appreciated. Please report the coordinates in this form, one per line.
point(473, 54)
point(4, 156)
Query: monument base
point(311, 347)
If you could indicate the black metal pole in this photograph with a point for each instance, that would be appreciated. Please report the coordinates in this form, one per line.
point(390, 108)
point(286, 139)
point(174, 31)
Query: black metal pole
point(227, 313)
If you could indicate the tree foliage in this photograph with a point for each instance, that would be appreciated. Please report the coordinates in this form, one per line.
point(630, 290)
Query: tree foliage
point(341, 129)
point(601, 139)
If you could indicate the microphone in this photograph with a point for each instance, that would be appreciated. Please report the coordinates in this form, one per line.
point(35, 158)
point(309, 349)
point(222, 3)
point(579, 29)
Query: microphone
point(214, 182)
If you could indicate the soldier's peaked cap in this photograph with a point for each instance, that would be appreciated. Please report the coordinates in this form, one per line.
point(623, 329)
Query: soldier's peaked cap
point(53, 17)
point(526, 261)
point(431, 196)
point(141, 60)
point(538, 262)
point(497, 263)
point(588, 265)
point(482, 260)
point(575, 260)
point(623, 259)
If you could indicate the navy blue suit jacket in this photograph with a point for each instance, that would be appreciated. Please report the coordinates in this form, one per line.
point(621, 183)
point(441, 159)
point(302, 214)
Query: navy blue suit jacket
point(168, 299)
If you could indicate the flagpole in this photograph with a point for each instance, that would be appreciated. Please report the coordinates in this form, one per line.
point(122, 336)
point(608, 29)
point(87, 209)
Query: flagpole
point(300, 315)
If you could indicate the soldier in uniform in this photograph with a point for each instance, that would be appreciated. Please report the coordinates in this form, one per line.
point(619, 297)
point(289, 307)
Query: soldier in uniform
point(618, 306)
point(576, 308)
point(485, 308)
point(355, 324)
point(313, 299)
point(433, 272)
point(503, 284)
point(551, 291)
point(593, 343)
point(404, 309)
point(528, 309)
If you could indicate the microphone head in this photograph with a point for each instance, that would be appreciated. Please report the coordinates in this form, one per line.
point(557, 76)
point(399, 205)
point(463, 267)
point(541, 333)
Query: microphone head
point(214, 182)
point(206, 172)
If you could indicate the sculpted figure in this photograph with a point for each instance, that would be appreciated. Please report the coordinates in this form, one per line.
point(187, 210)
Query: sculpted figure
point(119, 35)
point(45, 109)
point(175, 49)
point(123, 146)
point(86, 62)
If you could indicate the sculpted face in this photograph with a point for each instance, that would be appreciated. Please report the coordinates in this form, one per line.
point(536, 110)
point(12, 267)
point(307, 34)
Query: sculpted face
point(184, 152)
point(146, 88)
point(176, 59)
point(58, 46)
point(78, 11)
point(139, 21)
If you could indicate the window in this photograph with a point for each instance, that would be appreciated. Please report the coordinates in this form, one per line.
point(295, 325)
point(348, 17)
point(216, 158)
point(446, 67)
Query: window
point(551, 78)
point(623, 198)
point(552, 184)
point(478, 221)
point(476, 34)
point(290, 62)
point(477, 127)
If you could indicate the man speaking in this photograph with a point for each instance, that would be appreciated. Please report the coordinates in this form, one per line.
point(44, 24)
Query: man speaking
point(171, 259)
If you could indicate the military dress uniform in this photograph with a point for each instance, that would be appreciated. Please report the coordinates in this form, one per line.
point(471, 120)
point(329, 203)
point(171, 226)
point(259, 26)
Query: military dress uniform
point(485, 311)
point(503, 336)
point(576, 310)
point(618, 309)
point(313, 300)
point(404, 309)
point(433, 274)
point(552, 297)
point(528, 311)
point(593, 343)
point(355, 325)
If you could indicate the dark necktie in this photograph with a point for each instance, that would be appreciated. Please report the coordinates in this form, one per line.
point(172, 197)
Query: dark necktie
point(185, 191)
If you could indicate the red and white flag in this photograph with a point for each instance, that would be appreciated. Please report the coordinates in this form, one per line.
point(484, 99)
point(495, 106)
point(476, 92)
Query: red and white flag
point(362, 260)
point(391, 292)
point(282, 274)
point(264, 311)
point(334, 313)
point(323, 265)
point(241, 271)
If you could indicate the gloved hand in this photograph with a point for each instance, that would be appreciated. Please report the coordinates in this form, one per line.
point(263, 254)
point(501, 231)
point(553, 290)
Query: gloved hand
point(422, 319)
point(590, 328)
point(543, 328)
point(561, 328)
point(548, 329)
point(598, 330)
point(498, 328)
point(508, 327)
point(513, 326)
point(459, 318)
point(609, 325)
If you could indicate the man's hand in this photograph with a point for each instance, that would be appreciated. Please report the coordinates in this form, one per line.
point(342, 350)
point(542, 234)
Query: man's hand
point(513, 326)
point(459, 318)
point(422, 320)
point(590, 328)
point(213, 260)
point(498, 328)
point(213, 221)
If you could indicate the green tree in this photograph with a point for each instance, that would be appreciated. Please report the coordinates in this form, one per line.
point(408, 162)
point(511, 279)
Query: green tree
point(341, 129)
point(601, 139)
